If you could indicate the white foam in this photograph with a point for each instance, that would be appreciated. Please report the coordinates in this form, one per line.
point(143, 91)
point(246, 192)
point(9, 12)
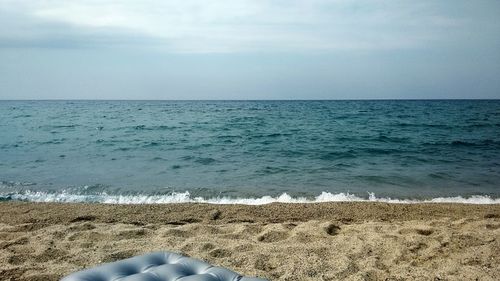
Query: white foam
point(185, 197)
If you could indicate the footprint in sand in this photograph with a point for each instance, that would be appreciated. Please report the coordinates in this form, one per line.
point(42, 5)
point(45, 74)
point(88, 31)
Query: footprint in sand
point(252, 229)
point(207, 229)
point(417, 247)
point(419, 231)
point(51, 254)
point(83, 218)
point(132, 233)
point(41, 277)
point(187, 247)
point(492, 216)
point(17, 259)
point(332, 229)
point(82, 227)
point(424, 231)
point(177, 233)
point(120, 255)
point(492, 226)
point(272, 236)
point(220, 253)
point(264, 263)
point(207, 247)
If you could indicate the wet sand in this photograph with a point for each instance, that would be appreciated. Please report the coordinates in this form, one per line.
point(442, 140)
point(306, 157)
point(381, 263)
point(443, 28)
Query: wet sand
point(324, 241)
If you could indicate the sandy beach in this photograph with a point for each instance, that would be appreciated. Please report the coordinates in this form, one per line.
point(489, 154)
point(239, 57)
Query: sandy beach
point(324, 241)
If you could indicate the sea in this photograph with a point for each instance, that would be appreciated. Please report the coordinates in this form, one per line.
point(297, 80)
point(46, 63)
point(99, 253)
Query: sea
point(250, 152)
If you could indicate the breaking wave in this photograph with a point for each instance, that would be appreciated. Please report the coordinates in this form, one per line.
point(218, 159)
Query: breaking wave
point(185, 197)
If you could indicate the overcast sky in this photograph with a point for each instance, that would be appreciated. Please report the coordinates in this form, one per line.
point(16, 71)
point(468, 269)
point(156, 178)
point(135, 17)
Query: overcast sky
point(255, 49)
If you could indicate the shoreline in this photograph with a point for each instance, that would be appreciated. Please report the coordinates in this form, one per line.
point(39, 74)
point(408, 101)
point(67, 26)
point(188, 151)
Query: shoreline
point(279, 241)
point(186, 197)
point(229, 213)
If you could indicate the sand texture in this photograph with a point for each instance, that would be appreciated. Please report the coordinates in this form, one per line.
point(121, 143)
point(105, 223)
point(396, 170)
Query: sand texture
point(325, 241)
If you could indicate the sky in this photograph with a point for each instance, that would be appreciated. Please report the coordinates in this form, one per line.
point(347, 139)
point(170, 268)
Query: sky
point(249, 49)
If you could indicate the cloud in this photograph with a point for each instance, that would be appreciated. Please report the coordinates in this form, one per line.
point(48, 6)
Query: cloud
point(206, 26)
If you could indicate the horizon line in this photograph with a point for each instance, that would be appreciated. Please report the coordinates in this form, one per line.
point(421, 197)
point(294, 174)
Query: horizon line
point(368, 99)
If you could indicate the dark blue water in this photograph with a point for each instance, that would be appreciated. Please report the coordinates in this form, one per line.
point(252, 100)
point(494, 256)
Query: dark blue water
point(248, 149)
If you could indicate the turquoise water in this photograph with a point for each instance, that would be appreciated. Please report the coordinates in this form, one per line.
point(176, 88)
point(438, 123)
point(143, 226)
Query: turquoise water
point(162, 151)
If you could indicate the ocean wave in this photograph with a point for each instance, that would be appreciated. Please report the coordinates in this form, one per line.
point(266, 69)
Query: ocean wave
point(463, 143)
point(185, 197)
